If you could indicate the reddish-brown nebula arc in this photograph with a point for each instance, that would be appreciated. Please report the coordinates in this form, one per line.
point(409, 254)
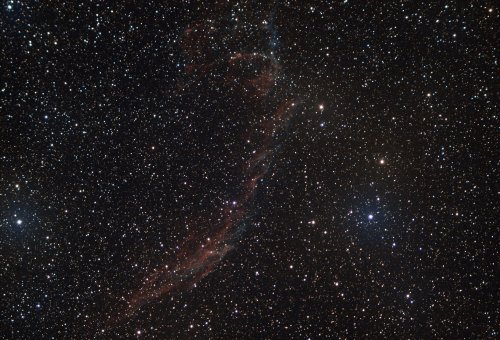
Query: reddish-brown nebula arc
point(195, 261)
point(250, 76)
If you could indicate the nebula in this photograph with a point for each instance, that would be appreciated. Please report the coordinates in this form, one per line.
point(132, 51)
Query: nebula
point(197, 258)
point(252, 77)
point(252, 73)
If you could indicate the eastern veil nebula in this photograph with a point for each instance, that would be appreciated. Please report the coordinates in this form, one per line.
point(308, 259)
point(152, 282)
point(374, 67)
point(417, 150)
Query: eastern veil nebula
point(215, 49)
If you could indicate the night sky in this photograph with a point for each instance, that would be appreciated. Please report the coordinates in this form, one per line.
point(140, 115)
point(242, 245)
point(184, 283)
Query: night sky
point(234, 169)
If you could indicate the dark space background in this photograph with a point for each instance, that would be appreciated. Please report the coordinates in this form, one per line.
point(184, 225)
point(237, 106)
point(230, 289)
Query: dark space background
point(378, 216)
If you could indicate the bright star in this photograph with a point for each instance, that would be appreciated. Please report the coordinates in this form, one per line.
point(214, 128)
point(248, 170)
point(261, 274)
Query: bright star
point(19, 222)
point(370, 217)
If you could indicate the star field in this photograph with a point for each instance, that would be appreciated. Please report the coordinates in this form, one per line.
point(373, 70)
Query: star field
point(238, 169)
